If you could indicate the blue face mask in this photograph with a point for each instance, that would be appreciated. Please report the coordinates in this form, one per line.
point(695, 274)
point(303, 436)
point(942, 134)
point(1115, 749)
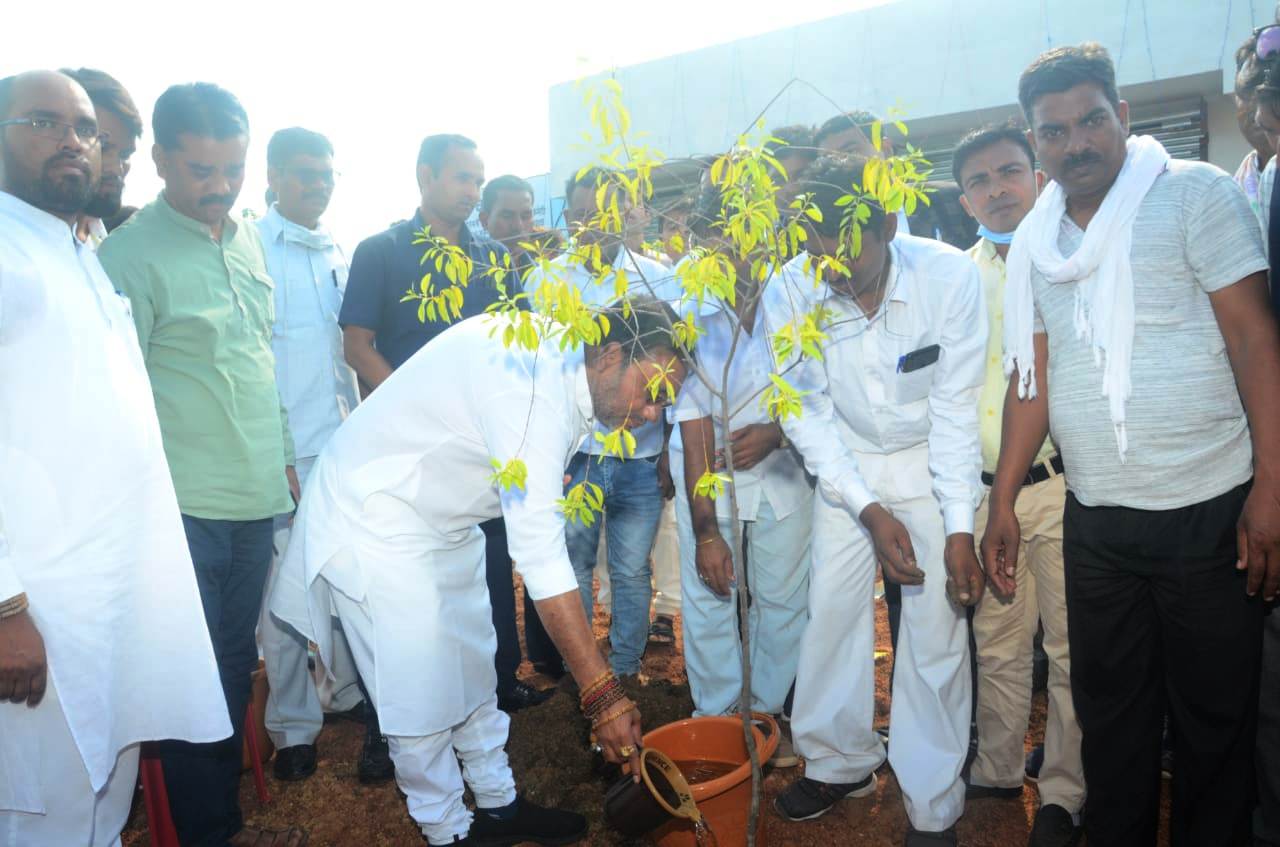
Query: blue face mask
point(995, 237)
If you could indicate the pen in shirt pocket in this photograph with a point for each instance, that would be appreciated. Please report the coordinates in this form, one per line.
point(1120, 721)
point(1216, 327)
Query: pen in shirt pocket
point(334, 273)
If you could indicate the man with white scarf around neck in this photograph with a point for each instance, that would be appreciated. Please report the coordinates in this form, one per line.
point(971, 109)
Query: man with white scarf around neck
point(1145, 278)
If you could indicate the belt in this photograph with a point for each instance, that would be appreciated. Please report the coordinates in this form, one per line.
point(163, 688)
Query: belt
point(1038, 473)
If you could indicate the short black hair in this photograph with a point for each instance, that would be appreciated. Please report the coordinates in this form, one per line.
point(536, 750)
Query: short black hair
point(294, 141)
point(435, 147)
point(858, 119)
point(983, 137)
point(682, 205)
point(644, 331)
point(106, 92)
point(827, 180)
point(591, 178)
point(797, 136)
point(499, 184)
point(1062, 69)
point(199, 108)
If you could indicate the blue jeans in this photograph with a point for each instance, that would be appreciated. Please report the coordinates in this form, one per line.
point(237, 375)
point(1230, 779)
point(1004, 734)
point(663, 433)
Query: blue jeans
point(632, 507)
point(203, 780)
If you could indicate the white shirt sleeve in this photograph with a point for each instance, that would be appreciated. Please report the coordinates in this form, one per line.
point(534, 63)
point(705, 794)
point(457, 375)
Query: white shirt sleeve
point(10, 585)
point(535, 524)
point(694, 399)
point(814, 433)
point(955, 449)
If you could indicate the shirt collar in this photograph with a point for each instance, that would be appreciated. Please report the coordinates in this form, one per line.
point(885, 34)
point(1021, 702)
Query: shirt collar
point(986, 252)
point(48, 227)
point(275, 227)
point(191, 224)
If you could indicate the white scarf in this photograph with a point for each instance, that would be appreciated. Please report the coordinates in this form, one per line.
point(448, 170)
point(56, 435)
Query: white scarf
point(1104, 312)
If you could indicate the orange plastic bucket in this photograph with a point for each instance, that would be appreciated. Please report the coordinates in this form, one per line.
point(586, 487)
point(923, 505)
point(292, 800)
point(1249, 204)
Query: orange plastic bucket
point(725, 801)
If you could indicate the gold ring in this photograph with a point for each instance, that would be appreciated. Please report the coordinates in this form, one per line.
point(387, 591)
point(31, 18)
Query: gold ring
point(626, 750)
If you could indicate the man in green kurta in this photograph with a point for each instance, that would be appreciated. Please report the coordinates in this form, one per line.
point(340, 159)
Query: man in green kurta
point(202, 303)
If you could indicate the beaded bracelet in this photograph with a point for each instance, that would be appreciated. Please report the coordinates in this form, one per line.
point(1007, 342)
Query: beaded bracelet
point(604, 703)
point(613, 716)
point(597, 683)
point(590, 702)
point(13, 607)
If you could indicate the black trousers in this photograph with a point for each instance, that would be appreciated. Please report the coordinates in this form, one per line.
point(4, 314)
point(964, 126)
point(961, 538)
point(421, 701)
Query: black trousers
point(1158, 618)
point(1266, 821)
point(502, 597)
point(203, 780)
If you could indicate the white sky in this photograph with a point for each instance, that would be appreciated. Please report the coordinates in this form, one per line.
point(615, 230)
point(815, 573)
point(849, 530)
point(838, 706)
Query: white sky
point(376, 76)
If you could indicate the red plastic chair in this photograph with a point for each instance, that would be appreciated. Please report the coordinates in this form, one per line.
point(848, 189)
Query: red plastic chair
point(156, 797)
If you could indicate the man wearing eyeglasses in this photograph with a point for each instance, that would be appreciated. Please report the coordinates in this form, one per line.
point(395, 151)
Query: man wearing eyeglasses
point(121, 127)
point(102, 644)
point(318, 390)
point(204, 309)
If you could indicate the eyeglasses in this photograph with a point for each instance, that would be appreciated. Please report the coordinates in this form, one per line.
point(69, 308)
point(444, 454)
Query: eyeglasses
point(1266, 41)
point(57, 130)
point(310, 176)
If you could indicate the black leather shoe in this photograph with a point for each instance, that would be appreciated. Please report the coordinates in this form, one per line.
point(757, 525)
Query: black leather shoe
point(521, 696)
point(1054, 827)
point(296, 763)
point(375, 759)
point(989, 792)
point(530, 823)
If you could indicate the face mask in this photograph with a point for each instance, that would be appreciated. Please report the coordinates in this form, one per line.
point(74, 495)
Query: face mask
point(995, 237)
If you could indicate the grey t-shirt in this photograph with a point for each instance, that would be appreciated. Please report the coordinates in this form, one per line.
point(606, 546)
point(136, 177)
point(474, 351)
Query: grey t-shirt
point(1188, 436)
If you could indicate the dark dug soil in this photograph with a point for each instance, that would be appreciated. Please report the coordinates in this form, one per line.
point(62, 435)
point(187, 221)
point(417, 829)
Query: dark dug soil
point(553, 766)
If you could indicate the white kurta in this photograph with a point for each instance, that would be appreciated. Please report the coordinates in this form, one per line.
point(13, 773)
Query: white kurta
point(89, 524)
point(391, 515)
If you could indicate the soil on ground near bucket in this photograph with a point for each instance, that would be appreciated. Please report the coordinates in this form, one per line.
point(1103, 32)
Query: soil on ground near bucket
point(553, 765)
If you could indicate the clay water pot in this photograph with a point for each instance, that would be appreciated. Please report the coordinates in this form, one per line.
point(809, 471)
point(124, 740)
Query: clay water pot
point(725, 800)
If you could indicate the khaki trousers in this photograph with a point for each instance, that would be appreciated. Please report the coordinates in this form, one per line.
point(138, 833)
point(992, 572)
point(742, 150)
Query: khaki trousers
point(1004, 630)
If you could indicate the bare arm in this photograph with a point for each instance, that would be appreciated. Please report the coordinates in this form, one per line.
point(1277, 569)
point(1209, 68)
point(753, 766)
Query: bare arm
point(566, 623)
point(1243, 311)
point(363, 357)
point(1024, 429)
point(713, 556)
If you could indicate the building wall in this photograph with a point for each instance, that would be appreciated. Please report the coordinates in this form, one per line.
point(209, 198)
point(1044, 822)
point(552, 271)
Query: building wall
point(944, 63)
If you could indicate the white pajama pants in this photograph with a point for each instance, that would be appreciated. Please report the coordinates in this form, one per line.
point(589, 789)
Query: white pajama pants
point(835, 687)
point(431, 769)
point(666, 559)
point(295, 709)
point(778, 578)
point(75, 815)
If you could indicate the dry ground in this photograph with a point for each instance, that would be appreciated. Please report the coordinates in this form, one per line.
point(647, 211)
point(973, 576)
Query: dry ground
point(552, 766)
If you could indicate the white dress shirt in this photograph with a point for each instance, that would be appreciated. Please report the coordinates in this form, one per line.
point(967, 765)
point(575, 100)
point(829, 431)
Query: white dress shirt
point(859, 401)
point(393, 508)
point(89, 523)
point(317, 386)
point(645, 277)
point(779, 477)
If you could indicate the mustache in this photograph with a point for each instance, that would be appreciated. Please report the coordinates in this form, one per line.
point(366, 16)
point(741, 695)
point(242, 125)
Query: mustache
point(218, 200)
point(1088, 157)
point(81, 163)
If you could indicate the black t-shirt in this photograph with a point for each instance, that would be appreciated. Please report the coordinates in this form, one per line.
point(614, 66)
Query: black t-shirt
point(388, 265)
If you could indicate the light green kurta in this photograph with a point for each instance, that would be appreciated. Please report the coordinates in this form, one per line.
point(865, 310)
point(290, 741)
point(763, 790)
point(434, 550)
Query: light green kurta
point(204, 311)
